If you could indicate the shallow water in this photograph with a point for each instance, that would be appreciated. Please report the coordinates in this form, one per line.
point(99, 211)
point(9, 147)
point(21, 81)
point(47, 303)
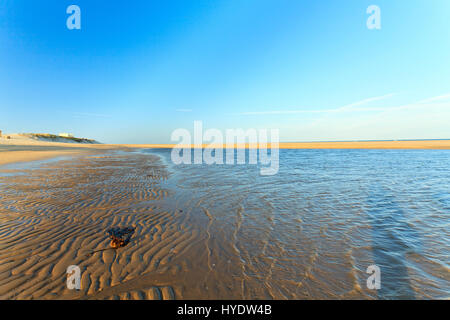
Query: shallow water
point(312, 230)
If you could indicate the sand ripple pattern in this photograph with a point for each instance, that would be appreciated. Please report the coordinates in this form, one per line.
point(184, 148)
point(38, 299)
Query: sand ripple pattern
point(53, 216)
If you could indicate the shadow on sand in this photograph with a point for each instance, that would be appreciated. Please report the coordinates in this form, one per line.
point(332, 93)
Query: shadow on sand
point(392, 239)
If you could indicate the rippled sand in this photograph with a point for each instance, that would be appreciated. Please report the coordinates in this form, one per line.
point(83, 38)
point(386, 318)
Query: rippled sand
point(55, 216)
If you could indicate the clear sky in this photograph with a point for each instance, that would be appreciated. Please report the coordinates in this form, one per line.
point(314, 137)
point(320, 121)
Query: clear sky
point(137, 70)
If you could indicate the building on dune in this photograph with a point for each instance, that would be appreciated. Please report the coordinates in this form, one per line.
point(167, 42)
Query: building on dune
point(66, 135)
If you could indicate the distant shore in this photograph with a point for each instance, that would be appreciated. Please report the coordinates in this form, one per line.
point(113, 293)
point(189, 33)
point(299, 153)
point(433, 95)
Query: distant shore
point(23, 150)
point(400, 144)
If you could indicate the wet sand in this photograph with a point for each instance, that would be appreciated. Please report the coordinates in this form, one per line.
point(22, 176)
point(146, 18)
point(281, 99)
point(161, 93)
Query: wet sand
point(32, 155)
point(55, 216)
point(26, 150)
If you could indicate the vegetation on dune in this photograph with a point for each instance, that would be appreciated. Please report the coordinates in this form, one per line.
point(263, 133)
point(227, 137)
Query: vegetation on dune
point(56, 138)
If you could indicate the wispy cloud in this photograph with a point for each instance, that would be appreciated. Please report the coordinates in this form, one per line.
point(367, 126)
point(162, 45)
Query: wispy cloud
point(251, 113)
point(436, 99)
point(353, 107)
point(90, 115)
point(425, 119)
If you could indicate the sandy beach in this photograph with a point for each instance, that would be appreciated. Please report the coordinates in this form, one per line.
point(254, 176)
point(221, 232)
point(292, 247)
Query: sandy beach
point(63, 213)
point(11, 155)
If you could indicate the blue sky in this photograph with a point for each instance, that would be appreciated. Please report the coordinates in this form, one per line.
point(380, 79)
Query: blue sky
point(138, 70)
